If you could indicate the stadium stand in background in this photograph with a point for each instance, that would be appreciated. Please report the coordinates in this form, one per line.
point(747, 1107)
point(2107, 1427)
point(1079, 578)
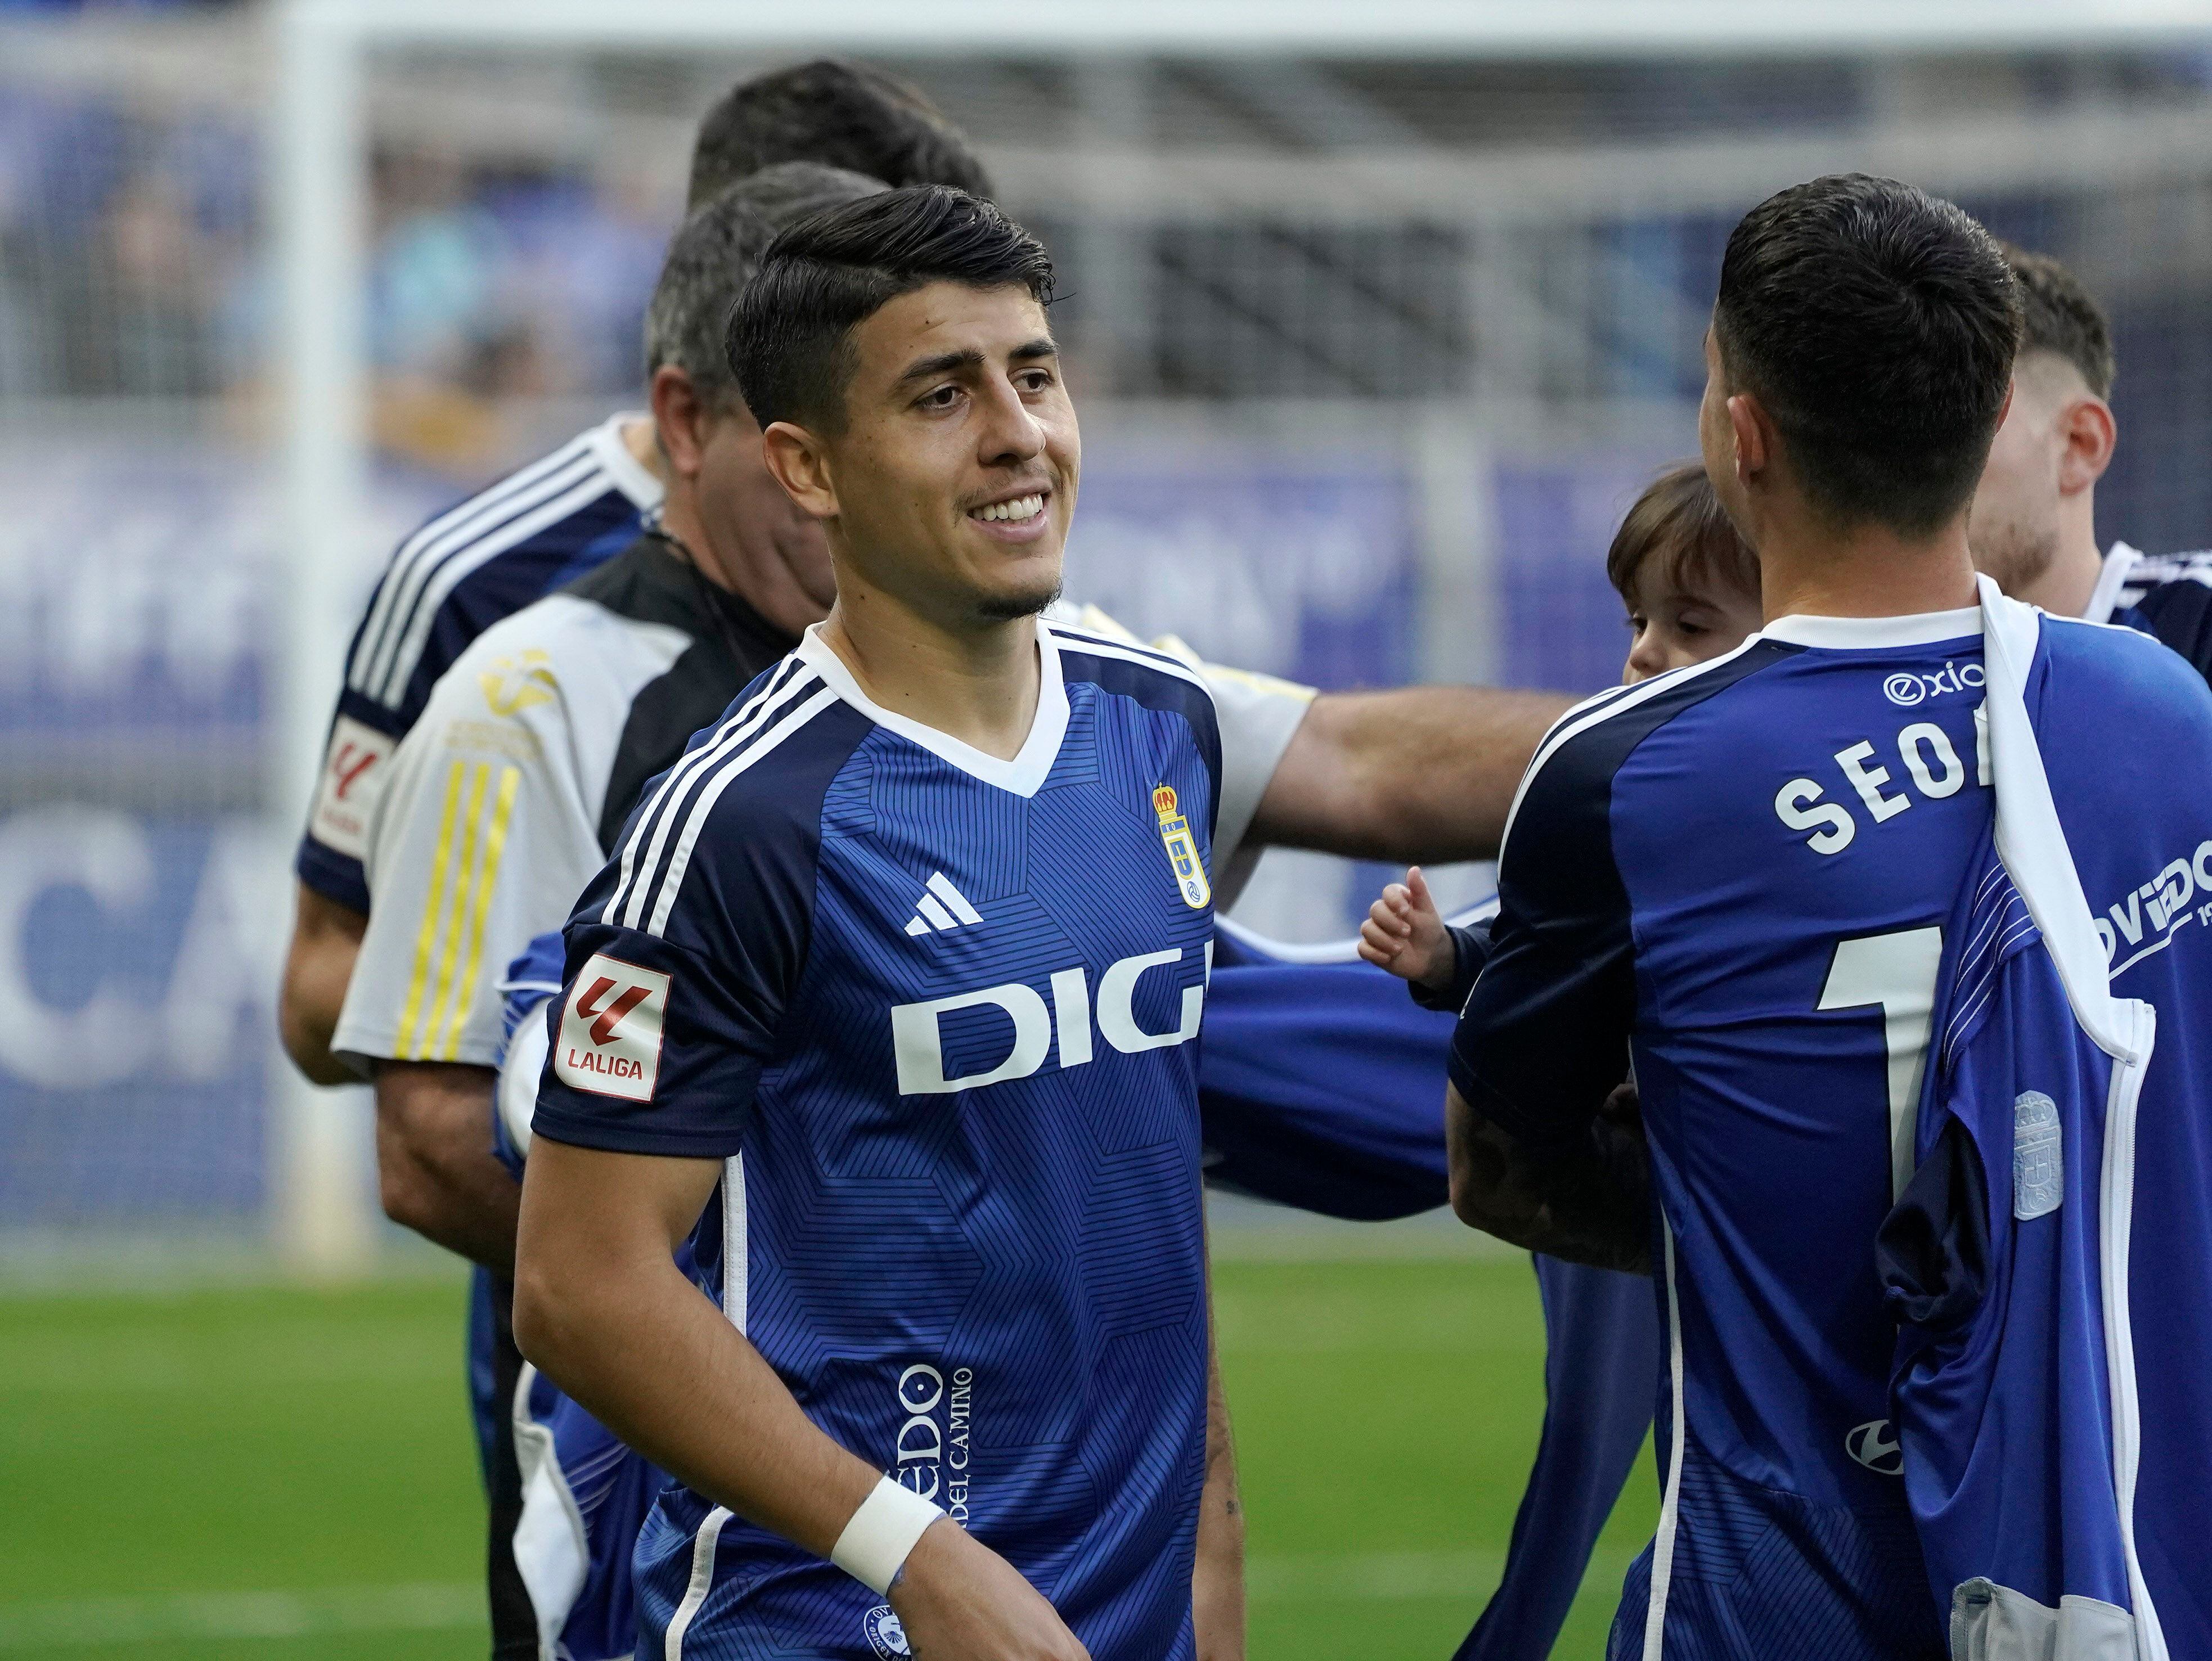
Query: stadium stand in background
point(1372, 355)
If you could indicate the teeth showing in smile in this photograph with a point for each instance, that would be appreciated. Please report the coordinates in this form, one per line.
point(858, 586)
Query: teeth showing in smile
point(1022, 507)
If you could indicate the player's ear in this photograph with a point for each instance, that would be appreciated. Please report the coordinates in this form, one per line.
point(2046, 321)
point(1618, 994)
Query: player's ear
point(2090, 433)
point(1754, 437)
point(679, 419)
point(796, 458)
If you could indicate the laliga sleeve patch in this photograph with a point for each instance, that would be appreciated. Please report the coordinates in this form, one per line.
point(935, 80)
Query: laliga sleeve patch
point(609, 1041)
point(353, 778)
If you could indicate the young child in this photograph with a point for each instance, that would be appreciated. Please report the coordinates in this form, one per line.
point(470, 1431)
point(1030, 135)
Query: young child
point(1691, 584)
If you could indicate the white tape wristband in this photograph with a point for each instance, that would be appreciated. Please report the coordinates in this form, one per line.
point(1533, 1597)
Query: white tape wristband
point(878, 1535)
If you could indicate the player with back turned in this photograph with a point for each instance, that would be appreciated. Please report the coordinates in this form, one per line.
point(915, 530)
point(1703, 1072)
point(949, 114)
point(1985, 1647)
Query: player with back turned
point(1758, 879)
point(947, 1387)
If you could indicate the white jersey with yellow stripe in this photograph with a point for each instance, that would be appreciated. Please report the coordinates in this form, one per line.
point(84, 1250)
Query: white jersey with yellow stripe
point(488, 824)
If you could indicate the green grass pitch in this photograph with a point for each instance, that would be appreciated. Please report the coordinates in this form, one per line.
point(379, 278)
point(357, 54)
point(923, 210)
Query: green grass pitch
point(272, 1474)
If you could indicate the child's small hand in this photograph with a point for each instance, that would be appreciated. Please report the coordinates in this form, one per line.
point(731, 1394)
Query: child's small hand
point(1405, 934)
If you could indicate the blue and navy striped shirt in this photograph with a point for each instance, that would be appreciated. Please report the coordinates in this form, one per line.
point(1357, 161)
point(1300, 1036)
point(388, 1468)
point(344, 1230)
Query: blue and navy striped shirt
point(933, 1012)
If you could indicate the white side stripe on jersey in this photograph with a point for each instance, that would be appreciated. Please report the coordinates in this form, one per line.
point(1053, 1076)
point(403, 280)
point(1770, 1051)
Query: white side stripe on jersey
point(479, 516)
point(680, 861)
point(701, 1583)
point(652, 822)
point(1670, 1503)
point(659, 812)
point(1603, 707)
point(735, 1265)
point(408, 650)
point(1094, 645)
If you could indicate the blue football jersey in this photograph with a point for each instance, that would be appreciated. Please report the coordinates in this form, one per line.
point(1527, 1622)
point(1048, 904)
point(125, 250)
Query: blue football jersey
point(2043, 1233)
point(2017, 1432)
point(933, 1012)
point(487, 557)
point(1738, 874)
point(2128, 774)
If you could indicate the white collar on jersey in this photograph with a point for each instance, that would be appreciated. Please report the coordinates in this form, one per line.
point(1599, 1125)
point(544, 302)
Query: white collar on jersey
point(1856, 634)
point(633, 479)
point(1022, 775)
point(2119, 565)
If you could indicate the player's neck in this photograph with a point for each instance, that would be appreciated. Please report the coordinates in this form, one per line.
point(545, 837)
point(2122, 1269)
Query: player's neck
point(977, 681)
point(640, 439)
point(1868, 571)
point(2063, 587)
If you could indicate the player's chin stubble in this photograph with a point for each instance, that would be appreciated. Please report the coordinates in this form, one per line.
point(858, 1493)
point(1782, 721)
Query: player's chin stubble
point(1004, 607)
point(2013, 555)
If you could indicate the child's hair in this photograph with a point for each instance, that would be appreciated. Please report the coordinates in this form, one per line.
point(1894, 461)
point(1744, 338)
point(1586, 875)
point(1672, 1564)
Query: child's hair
point(1679, 520)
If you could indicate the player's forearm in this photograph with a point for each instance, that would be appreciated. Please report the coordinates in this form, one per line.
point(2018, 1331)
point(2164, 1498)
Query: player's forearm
point(1217, 1578)
point(611, 1319)
point(1421, 774)
point(436, 1173)
point(326, 940)
point(1589, 1202)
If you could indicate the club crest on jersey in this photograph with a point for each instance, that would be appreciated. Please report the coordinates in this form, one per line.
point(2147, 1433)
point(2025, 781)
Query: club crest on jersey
point(885, 1635)
point(1182, 848)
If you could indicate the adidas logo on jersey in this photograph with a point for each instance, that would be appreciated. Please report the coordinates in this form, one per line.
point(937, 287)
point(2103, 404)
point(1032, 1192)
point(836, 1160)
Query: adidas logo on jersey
point(943, 908)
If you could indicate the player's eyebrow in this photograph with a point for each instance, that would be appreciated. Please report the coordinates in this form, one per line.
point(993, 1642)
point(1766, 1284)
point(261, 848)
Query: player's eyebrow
point(942, 363)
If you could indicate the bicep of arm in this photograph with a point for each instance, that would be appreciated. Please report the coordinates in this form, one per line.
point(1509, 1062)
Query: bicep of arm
point(1421, 773)
point(325, 939)
point(436, 1168)
point(601, 1307)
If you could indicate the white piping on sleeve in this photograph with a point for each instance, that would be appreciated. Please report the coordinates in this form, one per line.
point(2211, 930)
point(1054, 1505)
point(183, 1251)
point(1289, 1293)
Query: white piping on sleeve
point(735, 1261)
point(679, 861)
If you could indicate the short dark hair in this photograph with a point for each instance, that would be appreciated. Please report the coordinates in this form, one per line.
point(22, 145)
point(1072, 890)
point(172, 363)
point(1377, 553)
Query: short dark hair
point(1678, 529)
point(2062, 319)
point(790, 338)
point(715, 253)
point(844, 115)
point(1877, 325)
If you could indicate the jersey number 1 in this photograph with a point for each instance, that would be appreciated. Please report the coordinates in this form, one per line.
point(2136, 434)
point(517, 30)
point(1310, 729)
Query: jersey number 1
point(1897, 974)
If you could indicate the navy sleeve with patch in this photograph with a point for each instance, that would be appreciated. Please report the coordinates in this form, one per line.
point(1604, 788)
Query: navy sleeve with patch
point(682, 954)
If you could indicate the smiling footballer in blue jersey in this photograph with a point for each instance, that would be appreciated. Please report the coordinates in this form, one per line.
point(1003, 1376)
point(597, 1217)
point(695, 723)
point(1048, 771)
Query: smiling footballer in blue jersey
point(940, 1377)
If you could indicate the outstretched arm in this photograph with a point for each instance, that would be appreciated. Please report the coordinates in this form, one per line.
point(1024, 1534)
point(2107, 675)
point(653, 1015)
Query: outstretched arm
point(600, 1305)
point(1418, 774)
